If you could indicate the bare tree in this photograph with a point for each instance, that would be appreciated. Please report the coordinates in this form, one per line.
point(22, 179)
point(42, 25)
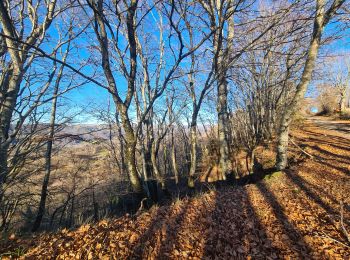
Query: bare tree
point(127, 24)
point(322, 18)
point(221, 15)
point(100, 27)
point(336, 73)
point(51, 134)
point(262, 79)
point(20, 60)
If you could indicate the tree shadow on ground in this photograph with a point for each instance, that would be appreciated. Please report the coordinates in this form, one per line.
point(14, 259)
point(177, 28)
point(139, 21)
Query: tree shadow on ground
point(299, 182)
point(334, 155)
point(232, 228)
point(344, 170)
point(340, 145)
point(344, 128)
point(235, 230)
point(330, 215)
point(330, 139)
point(160, 231)
point(295, 241)
point(315, 187)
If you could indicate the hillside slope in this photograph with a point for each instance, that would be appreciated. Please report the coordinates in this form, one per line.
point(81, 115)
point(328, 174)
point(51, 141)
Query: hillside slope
point(293, 214)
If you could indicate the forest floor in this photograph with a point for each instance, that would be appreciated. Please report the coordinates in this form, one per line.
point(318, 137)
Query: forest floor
point(293, 214)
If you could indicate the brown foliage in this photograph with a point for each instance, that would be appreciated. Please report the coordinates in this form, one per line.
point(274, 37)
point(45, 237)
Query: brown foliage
point(294, 214)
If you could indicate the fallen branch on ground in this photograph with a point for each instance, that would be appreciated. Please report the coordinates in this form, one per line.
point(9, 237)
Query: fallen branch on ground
point(346, 233)
point(302, 150)
point(331, 238)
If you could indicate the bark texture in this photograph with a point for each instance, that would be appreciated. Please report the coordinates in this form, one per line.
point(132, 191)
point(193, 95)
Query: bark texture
point(321, 20)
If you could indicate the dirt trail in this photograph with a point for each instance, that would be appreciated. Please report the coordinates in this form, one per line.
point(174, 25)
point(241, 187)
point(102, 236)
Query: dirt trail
point(341, 126)
point(295, 215)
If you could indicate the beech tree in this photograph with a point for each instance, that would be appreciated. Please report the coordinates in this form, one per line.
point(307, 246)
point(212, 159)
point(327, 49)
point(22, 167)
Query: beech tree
point(221, 15)
point(127, 21)
point(51, 135)
point(324, 13)
point(24, 93)
point(18, 45)
point(336, 71)
point(262, 80)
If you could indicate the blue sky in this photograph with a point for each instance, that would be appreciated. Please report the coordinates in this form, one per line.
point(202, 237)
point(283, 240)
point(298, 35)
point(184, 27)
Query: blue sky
point(90, 96)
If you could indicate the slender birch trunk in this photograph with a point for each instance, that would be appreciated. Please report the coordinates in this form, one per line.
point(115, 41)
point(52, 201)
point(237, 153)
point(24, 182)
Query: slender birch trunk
point(5, 122)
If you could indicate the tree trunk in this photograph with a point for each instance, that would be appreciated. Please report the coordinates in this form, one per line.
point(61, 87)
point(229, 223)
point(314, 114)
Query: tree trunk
point(193, 153)
point(165, 159)
point(130, 159)
point(71, 213)
point(95, 205)
point(342, 100)
point(225, 160)
point(130, 153)
point(292, 108)
point(41, 209)
point(223, 117)
point(122, 106)
point(250, 161)
point(282, 144)
point(154, 155)
point(19, 55)
point(6, 109)
point(173, 158)
point(144, 162)
point(121, 144)
point(148, 157)
point(3, 169)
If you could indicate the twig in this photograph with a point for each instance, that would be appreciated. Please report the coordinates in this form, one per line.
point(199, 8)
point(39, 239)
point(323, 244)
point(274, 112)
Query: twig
point(342, 221)
point(334, 240)
point(302, 150)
